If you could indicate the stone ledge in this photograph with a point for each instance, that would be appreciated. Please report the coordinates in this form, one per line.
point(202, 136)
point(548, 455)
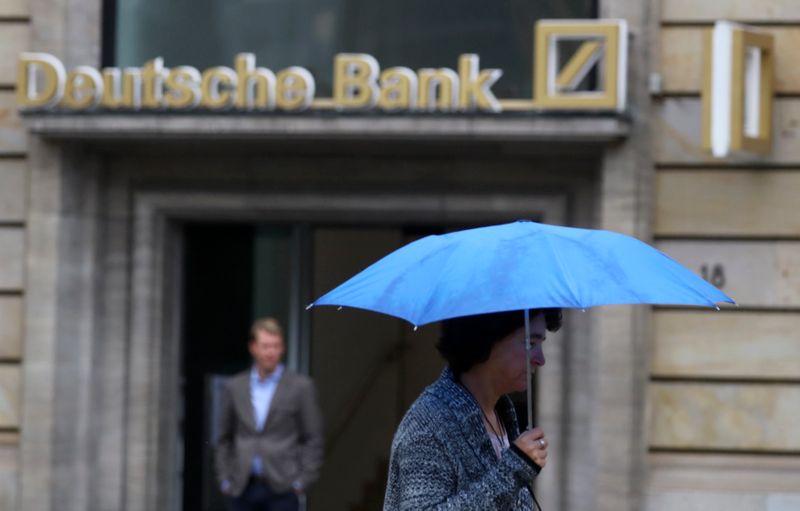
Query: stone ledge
point(511, 128)
point(670, 472)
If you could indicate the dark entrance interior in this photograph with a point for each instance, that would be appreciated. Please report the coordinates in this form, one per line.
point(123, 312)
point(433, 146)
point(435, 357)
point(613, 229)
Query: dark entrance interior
point(218, 305)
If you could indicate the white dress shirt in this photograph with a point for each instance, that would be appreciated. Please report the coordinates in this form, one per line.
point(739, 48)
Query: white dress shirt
point(261, 394)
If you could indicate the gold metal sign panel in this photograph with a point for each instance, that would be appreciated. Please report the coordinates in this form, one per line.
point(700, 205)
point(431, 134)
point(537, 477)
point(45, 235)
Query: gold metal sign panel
point(738, 90)
point(603, 47)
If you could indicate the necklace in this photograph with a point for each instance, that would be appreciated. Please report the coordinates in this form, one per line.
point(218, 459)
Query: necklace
point(499, 436)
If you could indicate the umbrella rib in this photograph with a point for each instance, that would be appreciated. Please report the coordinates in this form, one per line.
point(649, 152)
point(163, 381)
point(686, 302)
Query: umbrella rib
point(432, 289)
point(567, 273)
point(693, 290)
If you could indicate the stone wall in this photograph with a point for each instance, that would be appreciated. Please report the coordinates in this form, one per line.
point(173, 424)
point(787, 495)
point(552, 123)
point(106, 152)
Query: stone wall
point(14, 36)
point(725, 385)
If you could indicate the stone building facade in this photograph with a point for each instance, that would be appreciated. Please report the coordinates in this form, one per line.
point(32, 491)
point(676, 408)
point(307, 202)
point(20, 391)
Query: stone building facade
point(647, 408)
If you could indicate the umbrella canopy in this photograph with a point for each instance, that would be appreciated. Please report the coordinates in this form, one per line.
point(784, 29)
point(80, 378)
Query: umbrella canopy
point(519, 266)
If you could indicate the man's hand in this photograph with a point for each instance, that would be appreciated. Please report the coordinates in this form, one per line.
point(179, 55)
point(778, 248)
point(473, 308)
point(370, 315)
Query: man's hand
point(533, 444)
point(225, 487)
point(297, 488)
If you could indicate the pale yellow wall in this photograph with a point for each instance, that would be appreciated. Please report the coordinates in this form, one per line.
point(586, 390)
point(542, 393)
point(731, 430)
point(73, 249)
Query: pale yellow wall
point(676, 11)
point(743, 344)
point(14, 35)
point(13, 138)
point(725, 386)
point(14, 9)
point(13, 41)
point(682, 63)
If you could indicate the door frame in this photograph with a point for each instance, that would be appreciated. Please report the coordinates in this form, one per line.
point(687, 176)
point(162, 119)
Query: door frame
point(124, 234)
point(155, 329)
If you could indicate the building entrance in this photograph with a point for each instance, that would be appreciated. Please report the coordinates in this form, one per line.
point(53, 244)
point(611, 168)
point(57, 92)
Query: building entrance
point(368, 368)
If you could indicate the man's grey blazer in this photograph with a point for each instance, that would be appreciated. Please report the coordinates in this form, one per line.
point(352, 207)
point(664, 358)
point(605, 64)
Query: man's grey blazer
point(290, 445)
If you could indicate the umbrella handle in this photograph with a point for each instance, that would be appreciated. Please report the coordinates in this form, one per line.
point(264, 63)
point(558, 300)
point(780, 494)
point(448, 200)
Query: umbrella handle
point(528, 365)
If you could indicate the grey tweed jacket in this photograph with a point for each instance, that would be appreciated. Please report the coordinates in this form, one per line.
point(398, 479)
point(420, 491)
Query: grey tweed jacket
point(290, 444)
point(442, 458)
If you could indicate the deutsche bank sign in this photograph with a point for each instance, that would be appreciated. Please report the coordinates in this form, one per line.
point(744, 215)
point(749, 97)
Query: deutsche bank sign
point(359, 83)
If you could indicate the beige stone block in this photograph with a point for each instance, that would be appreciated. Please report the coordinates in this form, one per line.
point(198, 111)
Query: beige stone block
point(9, 438)
point(682, 61)
point(678, 138)
point(10, 327)
point(734, 501)
point(12, 257)
point(704, 501)
point(9, 475)
point(733, 344)
point(735, 10)
point(9, 395)
point(754, 273)
point(14, 39)
point(725, 416)
point(727, 203)
point(785, 502)
point(13, 190)
point(746, 473)
point(13, 137)
point(14, 8)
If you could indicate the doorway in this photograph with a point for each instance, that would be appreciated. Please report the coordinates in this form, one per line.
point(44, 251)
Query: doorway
point(233, 273)
point(368, 368)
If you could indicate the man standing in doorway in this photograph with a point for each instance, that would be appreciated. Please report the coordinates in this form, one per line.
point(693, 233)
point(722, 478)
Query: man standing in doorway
point(270, 444)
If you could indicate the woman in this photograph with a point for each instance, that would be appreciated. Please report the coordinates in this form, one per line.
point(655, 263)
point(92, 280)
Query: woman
point(459, 446)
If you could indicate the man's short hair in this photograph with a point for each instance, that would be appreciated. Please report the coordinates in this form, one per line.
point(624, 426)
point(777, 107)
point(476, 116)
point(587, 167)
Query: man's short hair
point(269, 325)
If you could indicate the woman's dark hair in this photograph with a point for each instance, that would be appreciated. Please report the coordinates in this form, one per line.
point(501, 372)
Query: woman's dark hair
point(468, 340)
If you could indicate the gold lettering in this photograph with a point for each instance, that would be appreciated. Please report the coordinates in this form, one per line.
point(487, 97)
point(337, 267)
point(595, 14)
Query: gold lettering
point(83, 88)
point(216, 87)
point(29, 94)
point(183, 87)
point(354, 81)
point(153, 75)
point(358, 84)
point(295, 88)
point(121, 89)
point(256, 86)
point(476, 84)
point(438, 88)
point(398, 89)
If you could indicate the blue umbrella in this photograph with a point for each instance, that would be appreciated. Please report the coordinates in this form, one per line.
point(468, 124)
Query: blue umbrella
point(519, 266)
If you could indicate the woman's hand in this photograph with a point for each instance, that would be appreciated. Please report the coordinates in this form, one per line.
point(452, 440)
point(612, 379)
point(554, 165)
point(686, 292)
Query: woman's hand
point(533, 444)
